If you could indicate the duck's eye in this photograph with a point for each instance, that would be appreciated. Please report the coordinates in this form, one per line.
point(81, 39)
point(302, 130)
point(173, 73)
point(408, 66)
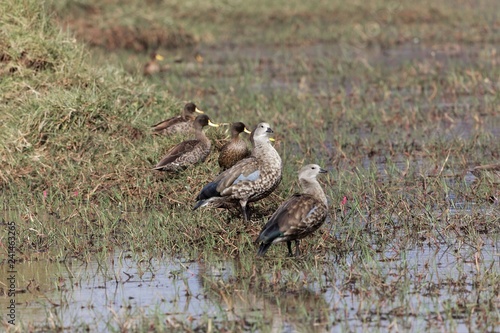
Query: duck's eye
point(313, 168)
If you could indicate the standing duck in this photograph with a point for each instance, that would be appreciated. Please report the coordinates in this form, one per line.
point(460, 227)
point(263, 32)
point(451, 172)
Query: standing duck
point(234, 150)
point(249, 180)
point(188, 152)
point(299, 216)
point(178, 124)
point(152, 66)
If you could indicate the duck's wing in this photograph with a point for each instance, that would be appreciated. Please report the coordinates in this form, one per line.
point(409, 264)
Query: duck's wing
point(167, 123)
point(246, 169)
point(177, 151)
point(295, 218)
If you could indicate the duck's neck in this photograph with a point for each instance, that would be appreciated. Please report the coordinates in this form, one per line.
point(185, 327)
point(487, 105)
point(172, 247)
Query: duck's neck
point(235, 137)
point(200, 135)
point(263, 149)
point(312, 187)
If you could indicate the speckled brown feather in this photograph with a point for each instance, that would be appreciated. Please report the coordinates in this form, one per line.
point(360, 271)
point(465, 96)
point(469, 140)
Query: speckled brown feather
point(299, 216)
point(235, 150)
point(178, 124)
point(186, 153)
point(249, 180)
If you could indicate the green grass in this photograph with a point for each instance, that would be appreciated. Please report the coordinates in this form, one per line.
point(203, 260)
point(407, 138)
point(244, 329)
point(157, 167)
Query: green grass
point(398, 100)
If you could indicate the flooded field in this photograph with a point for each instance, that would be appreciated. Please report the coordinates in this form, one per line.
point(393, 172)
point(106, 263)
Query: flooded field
point(428, 283)
point(120, 289)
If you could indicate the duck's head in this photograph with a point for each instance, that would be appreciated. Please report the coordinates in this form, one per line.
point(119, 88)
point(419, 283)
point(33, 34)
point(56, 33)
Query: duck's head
point(262, 133)
point(202, 121)
point(310, 171)
point(190, 109)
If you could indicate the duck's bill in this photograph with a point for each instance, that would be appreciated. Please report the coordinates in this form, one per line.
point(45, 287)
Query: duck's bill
point(321, 170)
point(247, 131)
point(159, 57)
point(198, 111)
point(272, 139)
point(210, 123)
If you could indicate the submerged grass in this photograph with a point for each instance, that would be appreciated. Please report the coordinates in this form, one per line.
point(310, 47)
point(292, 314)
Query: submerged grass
point(398, 100)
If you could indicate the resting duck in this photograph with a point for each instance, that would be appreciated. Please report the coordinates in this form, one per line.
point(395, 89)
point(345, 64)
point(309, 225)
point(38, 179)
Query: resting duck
point(178, 124)
point(188, 152)
point(249, 180)
point(299, 216)
point(152, 66)
point(234, 150)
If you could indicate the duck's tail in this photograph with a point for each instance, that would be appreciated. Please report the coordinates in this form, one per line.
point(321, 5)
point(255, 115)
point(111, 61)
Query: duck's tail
point(263, 249)
point(199, 204)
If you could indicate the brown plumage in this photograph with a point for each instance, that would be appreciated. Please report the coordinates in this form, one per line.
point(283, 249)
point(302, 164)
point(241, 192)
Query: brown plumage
point(152, 66)
point(188, 152)
point(178, 124)
point(236, 149)
point(297, 217)
point(249, 180)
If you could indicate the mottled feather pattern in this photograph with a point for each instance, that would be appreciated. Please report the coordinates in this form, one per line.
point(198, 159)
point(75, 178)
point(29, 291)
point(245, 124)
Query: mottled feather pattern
point(174, 125)
point(188, 152)
point(232, 152)
point(236, 149)
point(269, 178)
point(181, 156)
point(250, 179)
point(309, 215)
point(182, 124)
point(299, 216)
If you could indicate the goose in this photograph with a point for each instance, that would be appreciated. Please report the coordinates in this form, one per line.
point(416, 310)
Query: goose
point(297, 217)
point(249, 180)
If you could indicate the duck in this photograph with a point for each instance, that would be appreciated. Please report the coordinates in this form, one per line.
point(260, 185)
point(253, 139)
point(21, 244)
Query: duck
point(152, 66)
point(188, 152)
point(297, 217)
point(251, 179)
point(178, 124)
point(234, 150)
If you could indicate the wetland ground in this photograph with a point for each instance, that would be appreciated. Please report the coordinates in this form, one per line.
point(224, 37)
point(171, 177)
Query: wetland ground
point(398, 100)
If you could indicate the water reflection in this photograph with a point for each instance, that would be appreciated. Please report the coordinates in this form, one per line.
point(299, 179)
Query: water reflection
point(122, 288)
point(296, 310)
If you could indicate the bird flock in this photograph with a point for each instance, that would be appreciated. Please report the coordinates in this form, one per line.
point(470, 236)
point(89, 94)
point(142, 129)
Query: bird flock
point(246, 176)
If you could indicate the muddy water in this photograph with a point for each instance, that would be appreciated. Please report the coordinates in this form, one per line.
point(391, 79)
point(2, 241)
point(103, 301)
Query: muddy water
point(120, 288)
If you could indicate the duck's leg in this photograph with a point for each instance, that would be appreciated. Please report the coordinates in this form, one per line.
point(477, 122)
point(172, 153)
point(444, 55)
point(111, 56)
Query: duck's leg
point(297, 248)
point(289, 246)
point(244, 210)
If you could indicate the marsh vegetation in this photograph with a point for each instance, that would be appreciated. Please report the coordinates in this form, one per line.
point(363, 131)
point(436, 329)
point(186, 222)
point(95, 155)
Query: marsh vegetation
point(397, 100)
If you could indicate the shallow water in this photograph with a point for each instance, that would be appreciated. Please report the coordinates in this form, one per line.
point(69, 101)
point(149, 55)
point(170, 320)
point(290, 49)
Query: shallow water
point(110, 292)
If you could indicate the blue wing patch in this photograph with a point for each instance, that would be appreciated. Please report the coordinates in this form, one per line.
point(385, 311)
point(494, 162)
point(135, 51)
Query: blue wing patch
point(311, 211)
point(251, 177)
